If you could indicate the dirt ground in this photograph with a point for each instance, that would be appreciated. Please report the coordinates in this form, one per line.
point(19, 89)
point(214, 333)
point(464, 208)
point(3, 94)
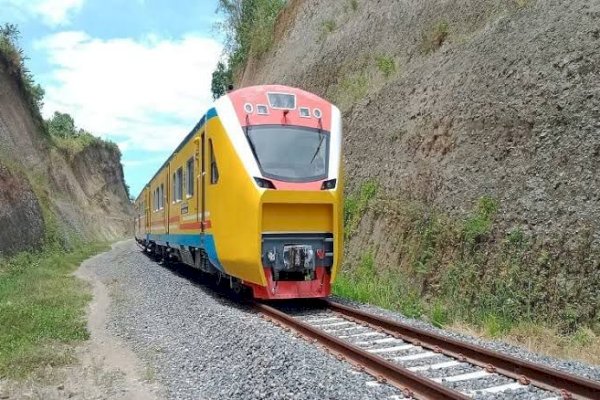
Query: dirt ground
point(105, 367)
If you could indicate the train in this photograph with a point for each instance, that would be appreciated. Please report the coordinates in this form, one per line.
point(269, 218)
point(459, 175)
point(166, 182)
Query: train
point(253, 195)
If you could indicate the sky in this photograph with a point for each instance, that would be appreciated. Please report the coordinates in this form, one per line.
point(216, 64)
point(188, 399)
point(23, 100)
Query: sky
point(136, 72)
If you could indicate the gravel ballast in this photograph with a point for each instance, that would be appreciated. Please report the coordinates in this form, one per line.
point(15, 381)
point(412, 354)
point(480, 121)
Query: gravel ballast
point(201, 345)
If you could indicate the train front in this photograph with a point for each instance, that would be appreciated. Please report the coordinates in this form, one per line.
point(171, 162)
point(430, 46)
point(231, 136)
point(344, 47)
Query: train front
point(294, 138)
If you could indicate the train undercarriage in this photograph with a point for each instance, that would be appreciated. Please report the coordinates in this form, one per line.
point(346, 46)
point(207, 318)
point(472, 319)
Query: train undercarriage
point(294, 266)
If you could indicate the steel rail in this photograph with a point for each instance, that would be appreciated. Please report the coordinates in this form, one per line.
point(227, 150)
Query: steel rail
point(411, 383)
point(569, 386)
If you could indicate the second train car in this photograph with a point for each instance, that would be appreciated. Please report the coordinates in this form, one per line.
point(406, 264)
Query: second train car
point(253, 194)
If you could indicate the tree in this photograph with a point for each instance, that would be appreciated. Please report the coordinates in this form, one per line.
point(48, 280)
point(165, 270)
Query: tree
point(10, 33)
point(221, 79)
point(62, 125)
point(248, 29)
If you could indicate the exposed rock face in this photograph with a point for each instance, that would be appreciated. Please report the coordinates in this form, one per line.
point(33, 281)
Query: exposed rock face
point(21, 218)
point(448, 104)
point(507, 106)
point(83, 193)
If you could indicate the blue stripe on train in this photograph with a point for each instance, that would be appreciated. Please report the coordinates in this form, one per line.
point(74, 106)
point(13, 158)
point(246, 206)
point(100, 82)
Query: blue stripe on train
point(205, 241)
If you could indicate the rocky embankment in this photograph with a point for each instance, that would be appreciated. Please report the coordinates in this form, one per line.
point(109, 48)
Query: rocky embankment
point(47, 192)
point(448, 105)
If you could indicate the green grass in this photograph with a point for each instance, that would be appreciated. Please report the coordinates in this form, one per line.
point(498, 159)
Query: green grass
point(42, 309)
point(350, 89)
point(368, 285)
point(479, 224)
point(386, 65)
point(355, 205)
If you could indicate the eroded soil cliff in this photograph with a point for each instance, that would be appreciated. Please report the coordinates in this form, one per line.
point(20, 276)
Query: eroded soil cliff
point(47, 192)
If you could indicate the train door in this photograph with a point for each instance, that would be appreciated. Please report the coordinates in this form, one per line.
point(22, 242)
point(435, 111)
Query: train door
point(168, 199)
point(203, 182)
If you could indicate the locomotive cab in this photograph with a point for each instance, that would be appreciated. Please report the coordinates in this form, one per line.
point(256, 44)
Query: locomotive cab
point(295, 142)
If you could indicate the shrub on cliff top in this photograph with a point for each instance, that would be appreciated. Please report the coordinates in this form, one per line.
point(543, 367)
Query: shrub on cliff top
point(14, 60)
point(65, 135)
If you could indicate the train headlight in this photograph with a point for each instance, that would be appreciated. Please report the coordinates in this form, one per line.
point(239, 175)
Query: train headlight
point(328, 185)
point(264, 183)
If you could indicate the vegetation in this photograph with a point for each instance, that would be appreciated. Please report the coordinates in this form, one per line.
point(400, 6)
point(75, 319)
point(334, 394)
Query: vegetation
point(351, 88)
point(386, 65)
point(434, 38)
point(42, 309)
point(248, 28)
point(355, 205)
point(42, 306)
point(470, 274)
point(67, 136)
point(13, 58)
point(222, 78)
point(328, 26)
point(522, 3)
point(353, 4)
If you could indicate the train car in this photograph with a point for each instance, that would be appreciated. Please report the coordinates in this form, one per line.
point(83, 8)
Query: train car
point(253, 194)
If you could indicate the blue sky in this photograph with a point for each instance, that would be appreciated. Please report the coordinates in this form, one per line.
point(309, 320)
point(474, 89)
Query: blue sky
point(136, 72)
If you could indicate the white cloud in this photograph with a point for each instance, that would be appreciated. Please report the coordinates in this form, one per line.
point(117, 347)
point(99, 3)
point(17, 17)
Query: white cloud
point(145, 94)
point(52, 12)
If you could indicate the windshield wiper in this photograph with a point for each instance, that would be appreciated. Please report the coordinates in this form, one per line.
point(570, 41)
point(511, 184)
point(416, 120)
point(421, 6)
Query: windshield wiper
point(318, 148)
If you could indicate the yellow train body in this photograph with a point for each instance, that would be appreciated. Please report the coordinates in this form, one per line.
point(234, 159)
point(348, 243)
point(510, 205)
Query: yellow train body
point(241, 197)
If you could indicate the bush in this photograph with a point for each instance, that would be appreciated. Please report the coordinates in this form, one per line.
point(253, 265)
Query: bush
point(14, 60)
point(66, 136)
point(386, 65)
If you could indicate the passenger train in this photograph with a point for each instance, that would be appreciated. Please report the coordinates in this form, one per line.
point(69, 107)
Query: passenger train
point(253, 194)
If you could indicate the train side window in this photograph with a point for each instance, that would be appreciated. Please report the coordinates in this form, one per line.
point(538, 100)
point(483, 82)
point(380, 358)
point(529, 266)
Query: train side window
point(155, 199)
point(214, 170)
point(161, 199)
point(174, 188)
point(179, 184)
point(190, 177)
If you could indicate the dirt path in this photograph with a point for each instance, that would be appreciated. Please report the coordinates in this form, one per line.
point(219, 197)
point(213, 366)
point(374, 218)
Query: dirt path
point(105, 369)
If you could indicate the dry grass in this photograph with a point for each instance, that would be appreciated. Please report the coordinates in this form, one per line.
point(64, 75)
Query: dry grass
point(584, 345)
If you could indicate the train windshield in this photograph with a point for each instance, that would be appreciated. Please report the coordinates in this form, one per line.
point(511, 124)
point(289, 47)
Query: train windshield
point(290, 153)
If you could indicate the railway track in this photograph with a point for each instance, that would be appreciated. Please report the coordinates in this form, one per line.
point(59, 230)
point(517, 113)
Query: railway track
point(426, 365)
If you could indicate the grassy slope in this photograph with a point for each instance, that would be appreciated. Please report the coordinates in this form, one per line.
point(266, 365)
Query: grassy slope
point(463, 275)
point(42, 309)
